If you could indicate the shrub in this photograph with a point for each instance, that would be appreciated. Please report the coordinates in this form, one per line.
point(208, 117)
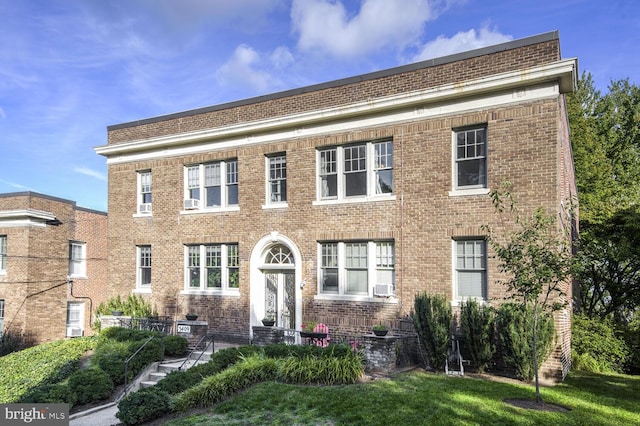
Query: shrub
point(110, 356)
point(91, 384)
point(515, 332)
point(144, 405)
point(175, 346)
point(53, 393)
point(478, 330)
point(122, 334)
point(432, 321)
point(595, 346)
point(322, 370)
point(134, 305)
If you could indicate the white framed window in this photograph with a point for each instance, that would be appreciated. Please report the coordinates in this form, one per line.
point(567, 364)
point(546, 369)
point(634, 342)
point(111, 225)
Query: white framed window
point(77, 259)
point(358, 268)
point(144, 192)
point(3, 254)
point(75, 319)
point(470, 147)
point(277, 179)
point(211, 186)
point(213, 267)
point(470, 269)
point(1, 317)
point(355, 171)
point(143, 276)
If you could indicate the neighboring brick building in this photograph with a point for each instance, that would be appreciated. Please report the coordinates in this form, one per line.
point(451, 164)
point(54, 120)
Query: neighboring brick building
point(53, 265)
point(339, 202)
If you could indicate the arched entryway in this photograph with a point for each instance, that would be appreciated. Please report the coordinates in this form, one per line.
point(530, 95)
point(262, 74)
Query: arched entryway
point(276, 267)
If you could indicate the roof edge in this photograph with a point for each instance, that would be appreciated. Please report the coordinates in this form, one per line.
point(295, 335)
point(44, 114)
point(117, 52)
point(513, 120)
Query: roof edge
point(513, 44)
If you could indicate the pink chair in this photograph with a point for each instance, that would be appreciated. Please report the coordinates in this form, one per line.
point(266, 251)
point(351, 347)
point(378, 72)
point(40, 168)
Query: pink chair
point(322, 328)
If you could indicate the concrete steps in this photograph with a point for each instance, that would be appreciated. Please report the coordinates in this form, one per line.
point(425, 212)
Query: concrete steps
point(162, 369)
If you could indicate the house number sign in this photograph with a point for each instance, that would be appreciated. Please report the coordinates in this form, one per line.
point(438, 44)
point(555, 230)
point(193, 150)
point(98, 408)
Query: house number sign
point(184, 329)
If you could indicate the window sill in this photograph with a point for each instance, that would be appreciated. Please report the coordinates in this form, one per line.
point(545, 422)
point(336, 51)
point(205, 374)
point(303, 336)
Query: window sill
point(210, 210)
point(142, 290)
point(456, 303)
point(465, 192)
point(227, 293)
point(142, 215)
point(275, 206)
point(349, 298)
point(354, 200)
point(75, 277)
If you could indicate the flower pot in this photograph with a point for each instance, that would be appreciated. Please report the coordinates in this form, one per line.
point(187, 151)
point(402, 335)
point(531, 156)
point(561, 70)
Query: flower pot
point(268, 323)
point(191, 317)
point(116, 313)
point(380, 333)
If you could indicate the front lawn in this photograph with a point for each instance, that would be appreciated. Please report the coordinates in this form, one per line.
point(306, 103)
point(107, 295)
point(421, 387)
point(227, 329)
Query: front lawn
point(420, 398)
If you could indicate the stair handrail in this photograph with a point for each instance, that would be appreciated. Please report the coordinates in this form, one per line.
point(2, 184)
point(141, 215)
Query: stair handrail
point(126, 363)
point(200, 342)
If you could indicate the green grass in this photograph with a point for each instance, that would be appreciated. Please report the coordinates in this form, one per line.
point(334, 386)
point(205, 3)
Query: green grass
point(420, 398)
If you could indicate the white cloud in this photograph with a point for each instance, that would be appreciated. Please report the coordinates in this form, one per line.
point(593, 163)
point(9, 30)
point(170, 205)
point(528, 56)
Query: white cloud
point(461, 42)
point(327, 25)
point(16, 185)
point(245, 68)
point(281, 57)
point(90, 172)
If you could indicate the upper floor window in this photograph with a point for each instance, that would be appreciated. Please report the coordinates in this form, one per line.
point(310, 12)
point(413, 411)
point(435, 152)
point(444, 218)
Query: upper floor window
point(277, 179)
point(77, 259)
point(144, 192)
point(360, 170)
point(211, 185)
point(471, 158)
point(212, 267)
point(357, 268)
point(471, 269)
point(143, 266)
point(3, 254)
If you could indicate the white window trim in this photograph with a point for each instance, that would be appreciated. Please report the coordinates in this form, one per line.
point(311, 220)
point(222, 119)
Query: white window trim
point(225, 290)
point(139, 200)
point(340, 198)
point(224, 207)
point(3, 271)
point(80, 323)
point(139, 286)
point(267, 184)
point(371, 276)
point(457, 300)
point(474, 190)
point(2, 306)
point(83, 259)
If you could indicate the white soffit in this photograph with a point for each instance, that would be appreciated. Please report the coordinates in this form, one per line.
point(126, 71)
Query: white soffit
point(25, 217)
point(491, 91)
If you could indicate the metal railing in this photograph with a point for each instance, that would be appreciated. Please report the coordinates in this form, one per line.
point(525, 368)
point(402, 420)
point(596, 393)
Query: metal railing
point(126, 363)
point(203, 343)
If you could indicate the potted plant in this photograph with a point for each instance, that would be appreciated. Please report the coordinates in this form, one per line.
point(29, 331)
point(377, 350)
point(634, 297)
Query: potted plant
point(380, 330)
point(116, 313)
point(190, 316)
point(268, 321)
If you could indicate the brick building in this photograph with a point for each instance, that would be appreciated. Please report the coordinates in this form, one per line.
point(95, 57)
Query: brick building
point(53, 265)
point(339, 202)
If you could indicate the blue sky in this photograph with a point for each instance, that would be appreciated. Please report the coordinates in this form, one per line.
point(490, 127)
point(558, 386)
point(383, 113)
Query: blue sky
point(68, 69)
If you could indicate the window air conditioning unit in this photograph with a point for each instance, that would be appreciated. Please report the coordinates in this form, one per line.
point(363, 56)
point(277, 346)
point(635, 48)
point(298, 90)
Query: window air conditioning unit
point(145, 208)
point(191, 204)
point(74, 332)
point(383, 290)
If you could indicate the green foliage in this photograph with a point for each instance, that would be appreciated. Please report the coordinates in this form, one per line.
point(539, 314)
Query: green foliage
point(91, 384)
point(175, 345)
point(251, 370)
point(632, 339)
point(10, 342)
point(134, 305)
point(24, 371)
point(321, 370)
point(110, 356)
point(122, 334)
point(52, 393)
point(142, 406)
point(516, 340)
point(432, 321)
point(595, 345)
point(478, 330)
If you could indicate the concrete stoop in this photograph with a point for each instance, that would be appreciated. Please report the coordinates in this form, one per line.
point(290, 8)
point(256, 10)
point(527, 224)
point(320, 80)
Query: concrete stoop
point(160, 370)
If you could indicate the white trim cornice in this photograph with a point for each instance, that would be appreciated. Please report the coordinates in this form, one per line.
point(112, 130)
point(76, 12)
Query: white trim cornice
point(561, 74)
point(25, 217)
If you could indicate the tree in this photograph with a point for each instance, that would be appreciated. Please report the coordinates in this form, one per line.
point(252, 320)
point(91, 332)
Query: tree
point(537, 260)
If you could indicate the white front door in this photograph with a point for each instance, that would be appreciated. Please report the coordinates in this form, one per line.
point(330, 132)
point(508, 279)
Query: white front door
point(280, 297)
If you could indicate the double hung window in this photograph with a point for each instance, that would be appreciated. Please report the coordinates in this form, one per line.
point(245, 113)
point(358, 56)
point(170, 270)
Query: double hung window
point(144, 192)
point(471, 269)
point(3, 254)
point(77, 259)
point(144, 266)
point(356, 268)
point(212, 267)
point(277, 179)
point(471, 158)
point(211, 185)
point(359, 170)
